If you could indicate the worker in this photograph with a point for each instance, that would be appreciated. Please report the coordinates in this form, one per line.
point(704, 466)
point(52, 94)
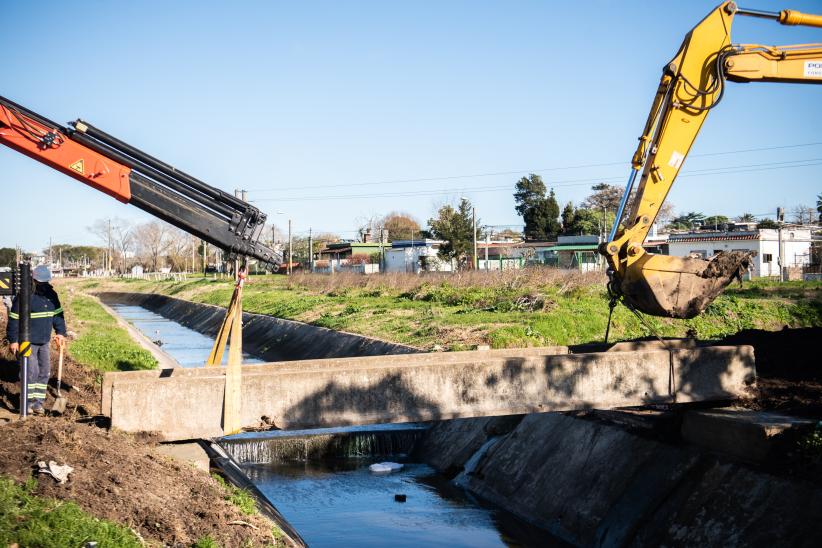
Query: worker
point(46, 314)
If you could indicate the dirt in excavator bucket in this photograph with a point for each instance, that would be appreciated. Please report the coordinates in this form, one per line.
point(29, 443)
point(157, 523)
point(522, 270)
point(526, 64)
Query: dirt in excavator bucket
point(679, 287)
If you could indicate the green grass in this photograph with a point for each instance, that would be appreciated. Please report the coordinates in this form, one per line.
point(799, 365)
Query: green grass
point(30, 520)
point(514, 309)
point(240, 498)
point(101, 343)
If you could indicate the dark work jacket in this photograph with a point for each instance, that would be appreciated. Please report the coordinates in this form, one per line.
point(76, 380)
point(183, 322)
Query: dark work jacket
point(46, 313)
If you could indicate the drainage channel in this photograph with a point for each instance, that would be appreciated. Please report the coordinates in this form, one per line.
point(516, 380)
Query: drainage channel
point(321, 481)
point(188, 347)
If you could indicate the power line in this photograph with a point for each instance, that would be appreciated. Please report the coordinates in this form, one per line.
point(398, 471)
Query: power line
point(749, 168)
point(517, 172)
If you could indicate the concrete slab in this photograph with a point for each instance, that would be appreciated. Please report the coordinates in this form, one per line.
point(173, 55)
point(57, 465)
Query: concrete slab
point(423, 387)
point(192, 453)
point(742, 433)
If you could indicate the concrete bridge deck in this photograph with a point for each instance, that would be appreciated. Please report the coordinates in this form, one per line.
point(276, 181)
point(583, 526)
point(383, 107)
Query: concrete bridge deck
point(187, 403)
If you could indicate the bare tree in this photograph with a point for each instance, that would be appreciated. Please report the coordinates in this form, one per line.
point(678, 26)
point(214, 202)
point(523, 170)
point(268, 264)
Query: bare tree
point(152, 241)
point(803, 214)
point(178, 248)
point(117, 237)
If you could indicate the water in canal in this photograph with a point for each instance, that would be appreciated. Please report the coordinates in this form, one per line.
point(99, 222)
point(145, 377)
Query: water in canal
point(339, 501)
point(188, 347)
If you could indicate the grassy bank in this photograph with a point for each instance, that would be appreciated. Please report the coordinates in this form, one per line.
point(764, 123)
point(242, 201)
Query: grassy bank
point(30, 520)
point(510, 309)
point(101, 343)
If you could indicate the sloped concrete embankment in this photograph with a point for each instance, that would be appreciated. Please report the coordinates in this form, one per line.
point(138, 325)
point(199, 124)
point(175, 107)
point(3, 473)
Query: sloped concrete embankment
point(267, 337)
point(595, 482)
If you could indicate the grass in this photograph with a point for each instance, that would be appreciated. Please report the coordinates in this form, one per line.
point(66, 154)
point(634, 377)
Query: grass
point(240, 498)
point(101, 343)
point(30, 520)
point(531, 307)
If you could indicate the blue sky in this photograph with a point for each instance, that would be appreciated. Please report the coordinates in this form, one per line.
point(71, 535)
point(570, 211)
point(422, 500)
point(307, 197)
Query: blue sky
point(299, 102)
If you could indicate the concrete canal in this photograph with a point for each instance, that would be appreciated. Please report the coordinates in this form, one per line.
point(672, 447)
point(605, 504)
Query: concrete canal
point(321, 482)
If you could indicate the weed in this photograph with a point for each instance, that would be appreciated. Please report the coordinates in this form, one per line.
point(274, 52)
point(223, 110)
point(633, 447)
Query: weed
point(240, 498)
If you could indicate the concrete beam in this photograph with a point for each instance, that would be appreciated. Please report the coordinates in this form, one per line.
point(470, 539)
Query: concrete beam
point(425, 387)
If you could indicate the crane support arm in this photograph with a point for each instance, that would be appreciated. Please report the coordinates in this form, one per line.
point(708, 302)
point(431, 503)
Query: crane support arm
point(692, 84)
point(91, 156)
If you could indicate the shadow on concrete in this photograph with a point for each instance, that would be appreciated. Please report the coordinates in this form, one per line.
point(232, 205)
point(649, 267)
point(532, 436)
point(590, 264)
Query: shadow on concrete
point(390, 400)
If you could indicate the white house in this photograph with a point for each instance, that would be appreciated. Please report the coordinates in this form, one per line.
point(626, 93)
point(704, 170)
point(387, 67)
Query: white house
point(415, 256)
point(796, 243)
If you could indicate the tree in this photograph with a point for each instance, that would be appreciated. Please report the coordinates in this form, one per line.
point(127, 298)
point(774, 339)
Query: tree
point(400, 226)
point(803, 215)
point(767, 223)
point(455, 228)
point(715, 222)
point(586, 221)
point(568, 214)
point(8, 256)
point(509, 234)
point(688, 221)
point(152, 242)
point(179, 249)
point(531, 205)
point(746, 218)
point(605, 196)
point(552, 224)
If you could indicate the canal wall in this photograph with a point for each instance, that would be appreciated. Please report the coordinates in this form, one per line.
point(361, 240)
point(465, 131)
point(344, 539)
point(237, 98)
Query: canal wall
point(593, 481)
point(267, 337)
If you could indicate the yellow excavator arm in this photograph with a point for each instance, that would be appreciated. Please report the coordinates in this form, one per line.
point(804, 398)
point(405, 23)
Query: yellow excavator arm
point(692, 84)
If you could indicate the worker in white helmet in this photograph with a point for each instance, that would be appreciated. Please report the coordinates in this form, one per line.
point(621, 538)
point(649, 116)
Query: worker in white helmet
point(46, 314)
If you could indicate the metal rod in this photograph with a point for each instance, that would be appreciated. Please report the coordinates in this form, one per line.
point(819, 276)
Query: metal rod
point(757, 13)
point(622, 203)
point(24, 334)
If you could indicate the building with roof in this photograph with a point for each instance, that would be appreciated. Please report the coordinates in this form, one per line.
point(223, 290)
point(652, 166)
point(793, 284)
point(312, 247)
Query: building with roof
point(416, 256)
point(765, 242)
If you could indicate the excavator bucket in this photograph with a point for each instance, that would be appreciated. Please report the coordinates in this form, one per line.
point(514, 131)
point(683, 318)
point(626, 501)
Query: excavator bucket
point(679, 287)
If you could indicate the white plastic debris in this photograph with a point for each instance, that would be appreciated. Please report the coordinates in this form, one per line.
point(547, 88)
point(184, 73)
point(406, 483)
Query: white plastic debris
point(385, 467)
point(59, 472)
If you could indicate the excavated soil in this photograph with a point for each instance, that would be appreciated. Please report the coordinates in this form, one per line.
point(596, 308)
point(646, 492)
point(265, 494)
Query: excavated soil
point(117, 476)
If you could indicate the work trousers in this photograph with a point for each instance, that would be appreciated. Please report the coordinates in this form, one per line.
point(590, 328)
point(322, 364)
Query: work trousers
point(39, 372)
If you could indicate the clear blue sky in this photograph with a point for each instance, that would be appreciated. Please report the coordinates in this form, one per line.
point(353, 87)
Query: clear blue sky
point(286, 98)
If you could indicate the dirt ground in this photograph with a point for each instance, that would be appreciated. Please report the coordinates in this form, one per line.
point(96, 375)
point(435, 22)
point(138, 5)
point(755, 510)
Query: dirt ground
point(117, 476)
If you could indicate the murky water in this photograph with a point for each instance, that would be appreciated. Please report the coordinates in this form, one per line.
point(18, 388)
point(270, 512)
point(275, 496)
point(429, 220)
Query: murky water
point(342, 503)
point(188, 347)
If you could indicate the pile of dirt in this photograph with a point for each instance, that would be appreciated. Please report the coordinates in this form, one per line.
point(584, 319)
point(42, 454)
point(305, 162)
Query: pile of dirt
point(122, 478)
point(788, 369)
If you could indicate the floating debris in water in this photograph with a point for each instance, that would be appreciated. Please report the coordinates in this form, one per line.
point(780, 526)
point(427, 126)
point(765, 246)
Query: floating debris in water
point(400, 497)
point(385, 467)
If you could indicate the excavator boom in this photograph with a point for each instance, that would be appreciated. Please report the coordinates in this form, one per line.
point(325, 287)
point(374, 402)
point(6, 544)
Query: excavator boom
point(692, 84)
point(131, 176)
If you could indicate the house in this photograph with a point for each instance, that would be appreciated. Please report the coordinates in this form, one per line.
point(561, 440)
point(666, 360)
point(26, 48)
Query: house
point(416, 256)
point(765, 242)
point(340, 251)
point(501, 255)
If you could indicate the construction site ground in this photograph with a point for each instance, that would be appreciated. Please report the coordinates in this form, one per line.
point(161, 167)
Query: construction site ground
point(118, 477)
point(124, 479)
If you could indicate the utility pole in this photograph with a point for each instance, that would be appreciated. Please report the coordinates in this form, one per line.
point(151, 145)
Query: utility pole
point(382, 250)
point(205, 255)
point(289, 247)
point(474, 224)
point(487, 243)
point(310, 250)
point(780, 218)
point(108, 252)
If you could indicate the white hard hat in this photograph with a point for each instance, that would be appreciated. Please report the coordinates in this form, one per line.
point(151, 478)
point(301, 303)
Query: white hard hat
point(41, 273)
